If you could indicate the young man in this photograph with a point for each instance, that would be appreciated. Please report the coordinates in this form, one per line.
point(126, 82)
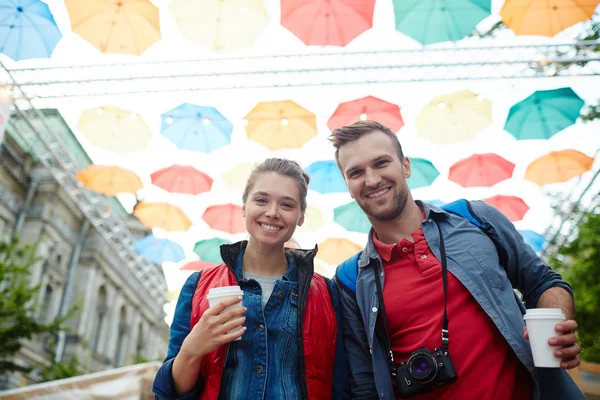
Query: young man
point(483, 343)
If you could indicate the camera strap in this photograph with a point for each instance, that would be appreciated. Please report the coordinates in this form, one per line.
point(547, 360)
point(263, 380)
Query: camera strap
point(388, 346)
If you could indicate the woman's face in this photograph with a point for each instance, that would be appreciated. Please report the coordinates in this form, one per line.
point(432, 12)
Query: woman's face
point(273, 209)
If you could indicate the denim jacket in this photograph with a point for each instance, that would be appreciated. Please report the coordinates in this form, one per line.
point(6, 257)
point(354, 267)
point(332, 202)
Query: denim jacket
point(473, 259)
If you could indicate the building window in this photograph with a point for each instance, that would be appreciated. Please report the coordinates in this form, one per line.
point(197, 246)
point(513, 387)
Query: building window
point(100, 320)
point(121, 337)
point(47, 311)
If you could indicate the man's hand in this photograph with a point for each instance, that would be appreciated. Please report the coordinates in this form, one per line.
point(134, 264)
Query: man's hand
point(568, 340)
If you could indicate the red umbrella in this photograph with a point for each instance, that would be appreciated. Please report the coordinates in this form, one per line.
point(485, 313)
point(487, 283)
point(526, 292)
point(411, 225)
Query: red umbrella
point(512, 206)
point(225, 217)
point(196, 266)
point(327, 22)
point(369, 107)
point(182, 179)
point(481, 170)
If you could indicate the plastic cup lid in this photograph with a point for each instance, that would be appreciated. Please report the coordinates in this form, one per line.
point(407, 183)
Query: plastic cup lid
point(225, 290)
point(544, 313)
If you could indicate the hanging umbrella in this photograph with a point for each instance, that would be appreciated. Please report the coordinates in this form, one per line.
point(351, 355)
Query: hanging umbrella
point(454, 117)
point(162, 215)
point(115, 26)
point(220, 24)
point(182, 179)
point(28, 29)
point(280, 125)
point(336, 250)
point(367, 108)
point(543, 114)
point(325, 177)
point(352, 218)
point(423, 173)
point(481, 170)
point(313, 220)
point(237, 177)
point(159, 250)
point(512, 206)
point(558, 166)
point(545, 17)
point(109, 180)
point(226, 218)
point(434, 21)
point(534, 239)
point(210, 250)
point(327, 23)
point(198, 265)
point(114, 129)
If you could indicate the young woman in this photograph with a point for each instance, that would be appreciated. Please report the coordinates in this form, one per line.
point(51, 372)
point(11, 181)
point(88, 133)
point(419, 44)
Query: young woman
point(290, 338)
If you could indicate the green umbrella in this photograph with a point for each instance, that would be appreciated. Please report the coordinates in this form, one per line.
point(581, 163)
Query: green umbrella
point(434, 21)
point(423, 173)
point(544, 114)
point(352, 218)
point(210, 250)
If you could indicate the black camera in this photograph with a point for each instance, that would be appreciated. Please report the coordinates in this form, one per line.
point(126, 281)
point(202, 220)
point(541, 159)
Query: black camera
point(423, 372)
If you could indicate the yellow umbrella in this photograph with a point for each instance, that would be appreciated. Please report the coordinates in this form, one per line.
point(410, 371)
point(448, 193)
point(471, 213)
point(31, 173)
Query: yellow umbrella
point(115, 26)
point(237, 176)
point(114, 129)
point(162, 215)
point(335, 250)
point(313, 220)
point(109, 180)
point(220, 24)
point(280, 125)
point(454, 117)
point(545, 17)
point(558, 166)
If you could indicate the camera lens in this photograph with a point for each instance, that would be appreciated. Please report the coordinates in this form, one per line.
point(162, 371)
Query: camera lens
point(422, 367)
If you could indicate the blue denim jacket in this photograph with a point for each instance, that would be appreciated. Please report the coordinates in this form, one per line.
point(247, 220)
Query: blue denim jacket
point(473, 260)
point(265, 363)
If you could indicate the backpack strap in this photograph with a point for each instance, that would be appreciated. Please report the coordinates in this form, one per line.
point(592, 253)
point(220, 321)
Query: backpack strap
point(347, 272)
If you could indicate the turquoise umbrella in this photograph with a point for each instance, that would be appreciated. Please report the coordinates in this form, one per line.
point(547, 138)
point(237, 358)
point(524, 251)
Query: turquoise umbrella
point(423, 173)
point(543, 114)
point(434, 21)
point(533, 239)
point(325, 177)
point(210, 250)
point(352, 218)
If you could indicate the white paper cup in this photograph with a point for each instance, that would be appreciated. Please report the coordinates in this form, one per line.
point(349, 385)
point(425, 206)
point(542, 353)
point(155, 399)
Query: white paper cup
point(219, 294)
point(541, 323)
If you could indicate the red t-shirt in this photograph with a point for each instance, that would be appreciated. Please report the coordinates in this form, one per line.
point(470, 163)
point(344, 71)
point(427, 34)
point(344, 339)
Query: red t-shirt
point(413, 293)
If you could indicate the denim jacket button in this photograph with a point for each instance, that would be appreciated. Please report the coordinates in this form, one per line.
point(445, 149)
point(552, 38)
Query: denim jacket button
point(374, 309)
point(259, 369)
point(261, 328)
point(280, 295)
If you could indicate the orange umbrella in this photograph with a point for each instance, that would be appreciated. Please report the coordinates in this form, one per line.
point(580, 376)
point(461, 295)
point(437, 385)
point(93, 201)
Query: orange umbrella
point(226, 218)
point(162, 215)
point(545, 17)
point(512, 206)
point(280, 125)
point(115, 26)
point(182, 179)
point(558, 166)
point(335, 250)
point(198, 265)
point(109, 180)
point(371, 108)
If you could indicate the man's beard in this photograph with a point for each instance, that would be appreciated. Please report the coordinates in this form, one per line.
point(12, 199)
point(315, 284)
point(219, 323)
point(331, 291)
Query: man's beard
point(398, 203)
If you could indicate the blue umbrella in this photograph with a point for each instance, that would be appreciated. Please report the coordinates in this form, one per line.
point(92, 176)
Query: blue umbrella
point(196, 128)
point(27, 29)
point(325, 177)
point(437, 203)
point(159, 250)
point(533, 239)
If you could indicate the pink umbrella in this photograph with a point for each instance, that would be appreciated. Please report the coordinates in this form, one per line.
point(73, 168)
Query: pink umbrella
point(512, 206)
point(225, 217)
point(198, 265)
point(182, 179)
point(371, 108)
point(481, 170)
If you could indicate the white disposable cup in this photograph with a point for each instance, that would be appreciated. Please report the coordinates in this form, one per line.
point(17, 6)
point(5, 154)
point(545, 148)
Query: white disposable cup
point(541, 324)
point(219, 294)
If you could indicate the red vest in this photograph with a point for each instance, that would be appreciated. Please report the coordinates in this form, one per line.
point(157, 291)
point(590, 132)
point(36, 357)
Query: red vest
point(319, 331)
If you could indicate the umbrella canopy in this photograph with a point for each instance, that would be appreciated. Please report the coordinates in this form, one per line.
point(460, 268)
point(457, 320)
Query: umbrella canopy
point(558, 166)
point(159, 250)
point(237, 176)
point(162, 215)
point(335, 250)
point(545, 17)
point(327, 23)
point(325, 177)
point(220, 24)
point(182, 179)
point(543, 114)
point(196, 128)
point(481, 170)
point(367, 108)
point(198, 265)
point(512, 206)
point(280, 125)
point(454, 117)
point(423, 173)
point(210, 250)
point(114, 129)
point(313, 220)
point(534, 239)
point(434, 21)
point(115, 26)
point(226, 218)
point(352, 218)
point(109, 180)
point(28, 29)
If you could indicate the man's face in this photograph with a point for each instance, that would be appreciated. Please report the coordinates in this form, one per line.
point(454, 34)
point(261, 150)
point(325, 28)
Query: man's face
point(375, 176)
